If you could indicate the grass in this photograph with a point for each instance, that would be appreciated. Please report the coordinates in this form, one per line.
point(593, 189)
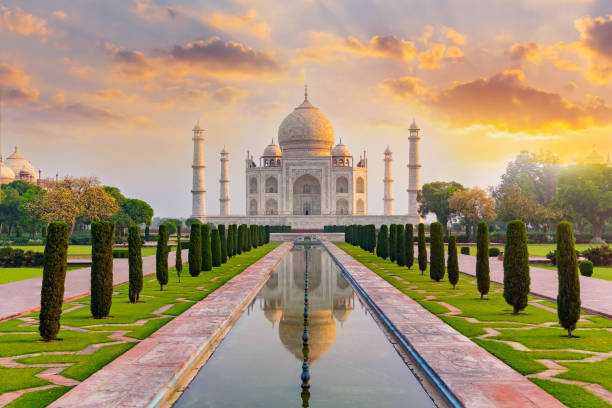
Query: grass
point(533, 249)
point(537, 329)
point(599, 272)
point(19, 337)
point(16, 274)
point(80, 251)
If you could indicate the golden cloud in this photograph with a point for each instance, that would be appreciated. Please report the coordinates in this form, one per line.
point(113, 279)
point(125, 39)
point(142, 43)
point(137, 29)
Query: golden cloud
point(228, 95)
point(454, 36)
point(114, 95)
point(148, 10)
point(20, 22)
point(15, 86)
point(430, 59)
point(404, 87)
point(529, 51)
point(246, 23)
point(596, 43)
point(60, 15)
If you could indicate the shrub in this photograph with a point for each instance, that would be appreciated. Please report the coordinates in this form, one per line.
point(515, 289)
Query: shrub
point(436, 252)
point(134, 263)
point(422, 248)
point(206, 248)
point(452, 263)
point(382, 243)
point(235, 245)
point(494, 252)
point(178, 263)
point(516, 266)
point(401, 245)
point(600, 256)
point(586, 268)
point(195, 249)
point(101, 268)
point(482, 259)
point(161, 256)
point(54, 276)
point(568, 298)
point(465, 250)
point(147, 233)
point(223, 240)
point(15, 258)
point(392, 243)
point(215, 247)
point(409, 245)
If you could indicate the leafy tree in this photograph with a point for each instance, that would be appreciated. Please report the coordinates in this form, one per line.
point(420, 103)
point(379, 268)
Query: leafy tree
point(511, 203)
point(382, 243)
point(171, 224)
point(178, 265)
point(54, 276)
point(191, 221)
point(101, 268)
point(409, 245)
point(401, 245)
point(472, 206)
point(195, 249)
point(206, 248)
point(139, 211)
point(585, 192)
point(436, 249)
point(516, 266)
point(452, 263)
point(422, 248)
point(161, 256)
point(135, 263)
point(434, 198)
point(568, 299)
point(482, 259)
point(535, 175)
point(215, 246)
point(9, 207)
point(223, 239)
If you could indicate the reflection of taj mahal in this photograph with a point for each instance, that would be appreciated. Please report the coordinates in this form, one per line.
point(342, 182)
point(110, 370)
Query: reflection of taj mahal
point(306, 181)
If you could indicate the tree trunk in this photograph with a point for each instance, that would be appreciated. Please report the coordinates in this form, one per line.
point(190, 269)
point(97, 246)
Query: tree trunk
point(481, 296)
point(598, 228)
point(569, 333)
point(516, 311)
point(72, 226)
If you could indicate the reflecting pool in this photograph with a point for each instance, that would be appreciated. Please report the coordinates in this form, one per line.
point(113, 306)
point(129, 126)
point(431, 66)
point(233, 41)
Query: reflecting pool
point(267, 357)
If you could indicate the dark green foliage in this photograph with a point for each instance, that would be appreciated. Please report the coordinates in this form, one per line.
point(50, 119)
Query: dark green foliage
point(236, 246)
point(254, 236)
point(223, 239)
point(452, 263)
point(54, 275)
point(230, 241)
point(178, 264)
point(400, 243)
point(215, 248)
point(206, 248)
point(494, 252)
point(262, 234)
point(370, 238)
point(161, 256)
point(15, 258)
point(422, 248)
point(568, 298)
point(101, 268)
point(482, 259)
point(600, 256)
point(392, 242)
point(382, 243)
point(247, 235)
point(465, 250)
point(586, 268)
point(195, 249)
point(436, 249)
point(267, 231)
point(409, 245)
point(240, 240)
point(135, 263)
point(147, 233)
point(516, 266)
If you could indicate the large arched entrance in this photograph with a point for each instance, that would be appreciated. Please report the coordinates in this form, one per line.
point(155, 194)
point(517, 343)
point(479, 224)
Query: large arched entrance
point(306, 196)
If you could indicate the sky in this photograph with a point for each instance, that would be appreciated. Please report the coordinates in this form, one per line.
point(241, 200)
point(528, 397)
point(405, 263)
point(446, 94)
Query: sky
point(113, 88)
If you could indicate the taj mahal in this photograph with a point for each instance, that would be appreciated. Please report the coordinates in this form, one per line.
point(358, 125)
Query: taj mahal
point(306, 181)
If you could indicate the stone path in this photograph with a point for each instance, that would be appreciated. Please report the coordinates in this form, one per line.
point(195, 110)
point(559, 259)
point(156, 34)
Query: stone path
point(150, 372)
point(474, 376)
point(23, 297)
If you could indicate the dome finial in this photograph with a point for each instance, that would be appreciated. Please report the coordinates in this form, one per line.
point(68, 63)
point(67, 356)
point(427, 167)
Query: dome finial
point(16, 148)
point(305, 92)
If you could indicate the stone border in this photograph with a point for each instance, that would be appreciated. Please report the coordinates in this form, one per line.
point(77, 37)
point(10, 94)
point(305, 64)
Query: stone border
point(152, 372)
point(472, 375)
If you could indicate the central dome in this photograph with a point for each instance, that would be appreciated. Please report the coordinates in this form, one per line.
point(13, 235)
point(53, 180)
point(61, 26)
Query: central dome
point(306, 132)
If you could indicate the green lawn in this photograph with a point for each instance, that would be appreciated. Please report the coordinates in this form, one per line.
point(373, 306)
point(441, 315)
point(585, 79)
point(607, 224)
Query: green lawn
point(599, 272)
point(80, 251)
point(537, 329)
point(534, 249)
point(16, 274)
point(20, 336)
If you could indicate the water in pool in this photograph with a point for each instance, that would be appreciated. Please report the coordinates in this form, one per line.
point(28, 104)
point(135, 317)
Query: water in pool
point(350, 361)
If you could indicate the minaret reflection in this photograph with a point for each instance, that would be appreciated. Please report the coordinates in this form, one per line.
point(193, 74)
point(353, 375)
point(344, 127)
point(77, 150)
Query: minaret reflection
point(305, 350)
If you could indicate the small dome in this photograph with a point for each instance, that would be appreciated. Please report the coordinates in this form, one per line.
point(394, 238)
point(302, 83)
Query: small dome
point(20, 166)
point(272, 150)
point(414, 126)
point(6, 174)
point(341, 150)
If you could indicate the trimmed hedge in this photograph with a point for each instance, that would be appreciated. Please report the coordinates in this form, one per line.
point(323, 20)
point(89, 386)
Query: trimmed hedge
point(195, 249)
point(494, 252)
point(465, 250)
point(134, 263)
point(422, 248)
point(568, 298)
point(223, 239)
point(178, 261)
point(482, 259)
point(436, 249)
point(393, 242)
point(400, 243)
point(586, 268)
point(409, 245)
point(382, 243)
point(206, 248)
point(516, 266)
point(101, 268)
point(215, 247)
point(452, 263)
point(16, 258)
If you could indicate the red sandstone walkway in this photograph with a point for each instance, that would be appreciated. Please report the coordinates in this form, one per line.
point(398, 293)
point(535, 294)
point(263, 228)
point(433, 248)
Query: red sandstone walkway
point(23, 297)
point(149, 373)
point(475, 376)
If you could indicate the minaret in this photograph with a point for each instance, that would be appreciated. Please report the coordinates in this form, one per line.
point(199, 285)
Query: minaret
point(388, 182)
point(414, 171)
point(224, 196)
point(198, 191)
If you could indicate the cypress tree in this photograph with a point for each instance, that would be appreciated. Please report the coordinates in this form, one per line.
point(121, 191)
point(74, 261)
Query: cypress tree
point(240, 240)
point(262, 235)
point(401, 245)
point(409, 245)
point(230, 241)
point(382, 243)
point(568, 298)
point(436, 252)
point(147, 234)
point(254, 236)
point(516, 266)
point(161, 258)
point(178, 264)
point(235, 245)
point(482, 259)
point(135, 263)
point(392, 243)
point(247, 235)
point(422, 248)
point(195, 249)
point(101, 268)
point(452, 264)
point(267, 231)
point(215, 247)
point(206, 248)
point(54, 276)
point(223, 239)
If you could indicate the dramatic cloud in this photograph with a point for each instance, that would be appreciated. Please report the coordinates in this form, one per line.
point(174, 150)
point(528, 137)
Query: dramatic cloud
point(115, 95)
point(431, 58)
point(454, 36)
point(246, 23)
point(133, 64)
point(20, 22)
point(529, 51)
point(506, 102)
point(404, 87)
point(15, 86)
point(596, 40)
